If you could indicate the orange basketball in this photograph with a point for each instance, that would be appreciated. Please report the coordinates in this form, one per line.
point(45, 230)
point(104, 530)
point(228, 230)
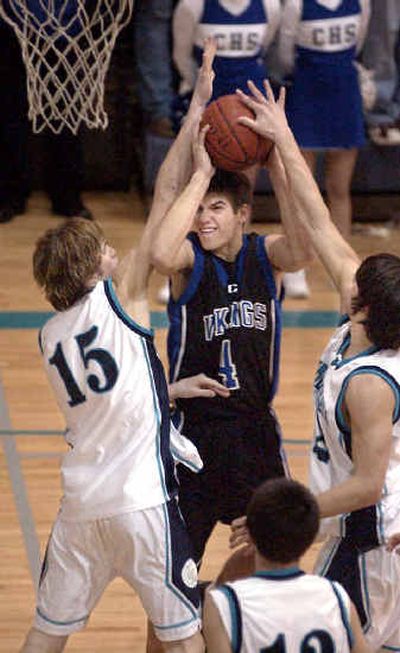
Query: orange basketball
point(232, 146)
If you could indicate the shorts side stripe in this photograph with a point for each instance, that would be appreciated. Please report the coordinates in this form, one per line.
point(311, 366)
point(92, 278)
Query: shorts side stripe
point(168, 583)
point(60, 623)
point(364, 590)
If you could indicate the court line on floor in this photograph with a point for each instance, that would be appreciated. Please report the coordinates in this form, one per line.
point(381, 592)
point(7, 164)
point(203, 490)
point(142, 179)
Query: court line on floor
point(159, 319)
point(24, 511)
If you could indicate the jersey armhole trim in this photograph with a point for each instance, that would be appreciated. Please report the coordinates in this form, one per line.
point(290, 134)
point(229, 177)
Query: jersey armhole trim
point(262, 256)
point(236, 617)
point(195, 275)
point(40, 341)
point(343, 319)
point(344, 615)
point(377, 371)
point(119, 311)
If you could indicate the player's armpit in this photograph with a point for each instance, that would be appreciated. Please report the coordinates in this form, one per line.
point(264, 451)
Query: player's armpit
point(215, 635)
point(360, 644)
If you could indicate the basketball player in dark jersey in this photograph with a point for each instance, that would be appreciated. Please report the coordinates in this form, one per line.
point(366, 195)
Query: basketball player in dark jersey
point(225, 321)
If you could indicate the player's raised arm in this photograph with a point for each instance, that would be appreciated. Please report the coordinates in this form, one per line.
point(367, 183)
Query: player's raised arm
point(133, 273)
point(171, 252)
point(336, 254)
point(292, 250)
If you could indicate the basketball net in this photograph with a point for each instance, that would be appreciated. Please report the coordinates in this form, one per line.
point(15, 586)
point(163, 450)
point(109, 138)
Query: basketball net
point(66, 47)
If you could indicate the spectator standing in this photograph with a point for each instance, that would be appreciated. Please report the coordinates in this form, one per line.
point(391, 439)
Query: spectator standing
point(63, 165)
point(318, 44)
point(152, 47)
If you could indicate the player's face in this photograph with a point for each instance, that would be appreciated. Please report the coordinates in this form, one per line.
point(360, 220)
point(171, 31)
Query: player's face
point(217, 224)
point(108, 261)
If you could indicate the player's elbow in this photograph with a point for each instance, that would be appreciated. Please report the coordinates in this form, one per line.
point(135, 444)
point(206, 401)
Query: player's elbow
point(161, 259)
point(371, 491)
point(301, 260)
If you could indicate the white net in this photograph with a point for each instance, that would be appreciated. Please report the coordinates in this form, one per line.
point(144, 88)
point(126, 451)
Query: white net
point(66, 47)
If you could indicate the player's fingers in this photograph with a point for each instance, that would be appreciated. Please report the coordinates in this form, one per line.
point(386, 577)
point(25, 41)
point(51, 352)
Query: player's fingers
point(202, 134)
point(249, 122)
point(206, 392)
point(210, 48)
point(256, 92)
point(247, 100)
point(269, 92)
point(282, 97)
point(223, 393)
point(237, 540)
point(239, 522)
point(213, 383)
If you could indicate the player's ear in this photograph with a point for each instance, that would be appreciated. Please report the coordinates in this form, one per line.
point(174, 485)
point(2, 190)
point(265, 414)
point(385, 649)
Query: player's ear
point(244, 213)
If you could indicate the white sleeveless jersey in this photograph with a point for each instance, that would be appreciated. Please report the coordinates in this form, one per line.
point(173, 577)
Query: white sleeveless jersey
point(110, 385)
point(330, 460)
point(285, 611)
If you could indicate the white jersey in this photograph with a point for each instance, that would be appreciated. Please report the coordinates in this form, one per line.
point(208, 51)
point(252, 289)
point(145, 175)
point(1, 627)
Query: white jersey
point(110, 385)
point(331, 461)
point(284, 610)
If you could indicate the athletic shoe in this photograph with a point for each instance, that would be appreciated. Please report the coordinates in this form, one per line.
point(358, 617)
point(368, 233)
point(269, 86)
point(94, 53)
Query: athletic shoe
point(295, 284)
point(163, 294)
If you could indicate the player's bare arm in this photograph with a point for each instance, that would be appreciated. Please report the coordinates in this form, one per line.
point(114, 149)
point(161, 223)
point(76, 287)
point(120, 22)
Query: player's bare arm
point(291, 250)
point(369, 405)
point(133, 273)
point(360, 644)
point(199, 385)
point(336, 254)
point(171, 251)
point(215, 635)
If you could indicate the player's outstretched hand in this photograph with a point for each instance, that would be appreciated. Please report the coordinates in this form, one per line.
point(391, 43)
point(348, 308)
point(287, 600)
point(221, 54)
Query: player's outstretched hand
point(201, 158)
point(197, 386)
point(269, 114)
point(239, 533)
point(204, 83)
point(394, 543)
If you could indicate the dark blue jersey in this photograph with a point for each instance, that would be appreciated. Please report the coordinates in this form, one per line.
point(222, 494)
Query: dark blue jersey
point(227, 324)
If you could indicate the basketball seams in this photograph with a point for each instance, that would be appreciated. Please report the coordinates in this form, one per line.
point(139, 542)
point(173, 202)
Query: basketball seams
point(232, 133)
point(232, 146)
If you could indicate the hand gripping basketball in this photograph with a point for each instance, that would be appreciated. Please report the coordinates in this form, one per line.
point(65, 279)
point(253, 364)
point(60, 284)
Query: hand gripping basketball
point(231, 145)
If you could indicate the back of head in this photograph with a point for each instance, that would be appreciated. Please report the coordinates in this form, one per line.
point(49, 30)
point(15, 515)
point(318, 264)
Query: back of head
point(65, 259)
point(233, 184)
point(283, 520)
point(378, 284)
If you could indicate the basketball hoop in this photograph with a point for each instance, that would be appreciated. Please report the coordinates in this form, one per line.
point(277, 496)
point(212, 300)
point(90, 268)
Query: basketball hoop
point(66, 47)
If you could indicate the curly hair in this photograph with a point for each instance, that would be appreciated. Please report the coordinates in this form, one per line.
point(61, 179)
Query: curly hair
point(65, 259)
point(378, 283)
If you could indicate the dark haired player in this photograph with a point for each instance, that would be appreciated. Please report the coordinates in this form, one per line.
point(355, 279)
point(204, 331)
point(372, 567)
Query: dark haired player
point(355, 459)
point(280, 608)
point(225, 321)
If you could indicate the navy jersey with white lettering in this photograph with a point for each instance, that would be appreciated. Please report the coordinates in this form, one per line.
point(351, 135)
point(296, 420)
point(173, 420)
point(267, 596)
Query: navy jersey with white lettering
point(227, 324)
point(324, 105)
point(240, 42)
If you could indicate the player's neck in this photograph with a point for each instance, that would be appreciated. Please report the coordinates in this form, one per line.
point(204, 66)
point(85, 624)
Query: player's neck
point(263, 564)
point(229, 251)
point(359, 341)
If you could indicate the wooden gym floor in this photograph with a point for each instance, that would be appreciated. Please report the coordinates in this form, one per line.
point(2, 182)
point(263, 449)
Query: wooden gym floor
point(29, 462)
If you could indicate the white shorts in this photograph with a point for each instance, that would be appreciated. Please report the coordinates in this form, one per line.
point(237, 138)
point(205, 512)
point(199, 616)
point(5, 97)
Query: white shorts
point(150, 549)
point(372, 580)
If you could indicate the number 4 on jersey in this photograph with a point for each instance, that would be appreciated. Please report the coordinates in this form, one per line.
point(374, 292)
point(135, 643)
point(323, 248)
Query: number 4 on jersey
point(227, 368)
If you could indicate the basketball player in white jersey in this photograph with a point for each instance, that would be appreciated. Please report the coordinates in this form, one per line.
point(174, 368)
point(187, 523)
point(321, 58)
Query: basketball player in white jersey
point(355, 458)
point(280, 608)
point(120, 491)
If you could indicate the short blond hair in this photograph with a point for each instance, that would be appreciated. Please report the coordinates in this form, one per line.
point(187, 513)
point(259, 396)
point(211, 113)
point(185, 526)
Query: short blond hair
point(65, 259)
